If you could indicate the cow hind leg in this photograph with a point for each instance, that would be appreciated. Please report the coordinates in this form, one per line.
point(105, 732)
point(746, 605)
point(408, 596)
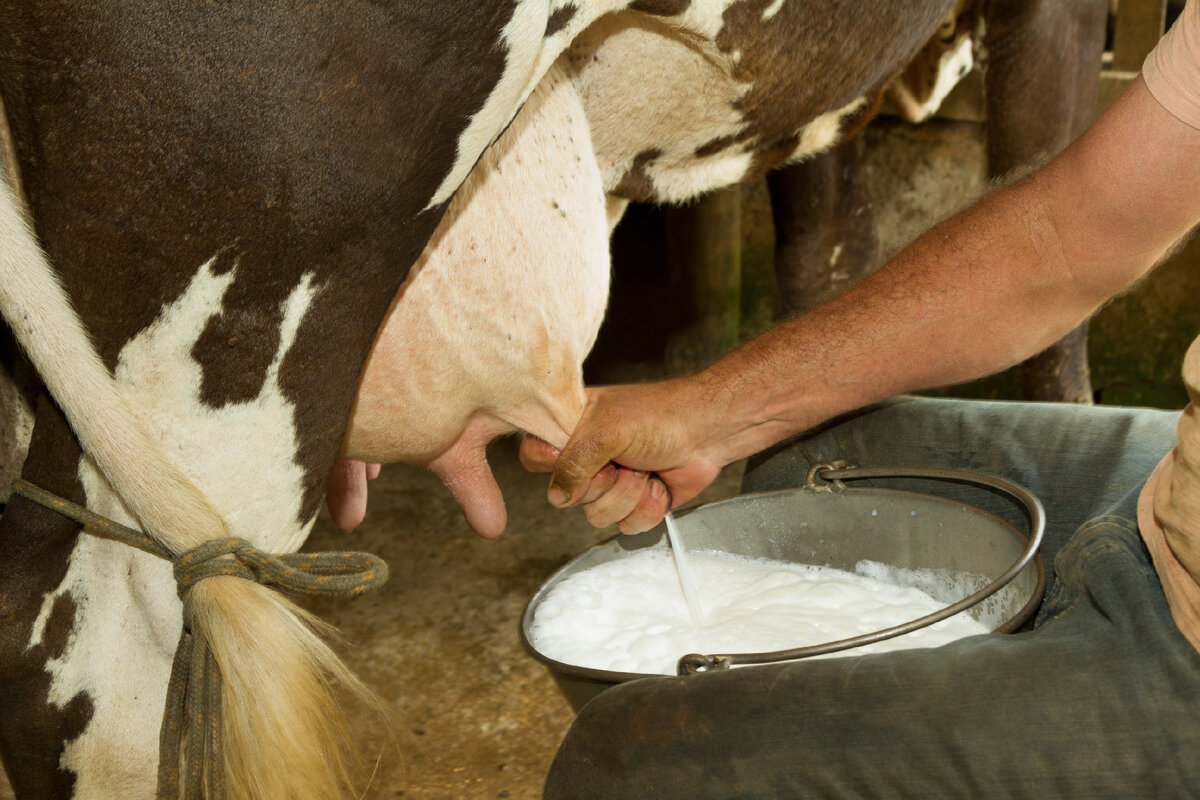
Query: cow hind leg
point(1043, 78)
point(825, 234)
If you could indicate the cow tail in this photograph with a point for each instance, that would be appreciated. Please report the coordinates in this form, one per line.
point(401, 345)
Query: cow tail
point(286, 730)
point(284, 719)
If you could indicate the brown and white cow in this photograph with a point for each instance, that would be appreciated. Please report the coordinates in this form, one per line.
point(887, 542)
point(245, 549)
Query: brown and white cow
point(241, 210)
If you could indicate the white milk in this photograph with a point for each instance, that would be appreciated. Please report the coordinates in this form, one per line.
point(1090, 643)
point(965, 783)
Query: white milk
point(629, 615)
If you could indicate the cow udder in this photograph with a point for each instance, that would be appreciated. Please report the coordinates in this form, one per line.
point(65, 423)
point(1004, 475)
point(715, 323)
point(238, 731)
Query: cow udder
point(489, 332)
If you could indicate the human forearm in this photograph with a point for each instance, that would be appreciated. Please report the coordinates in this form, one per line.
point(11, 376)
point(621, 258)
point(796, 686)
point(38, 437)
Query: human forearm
point(975, 294)
point(983, 290)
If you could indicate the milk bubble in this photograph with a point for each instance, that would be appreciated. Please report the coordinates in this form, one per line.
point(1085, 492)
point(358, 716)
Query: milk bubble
point(629, 614)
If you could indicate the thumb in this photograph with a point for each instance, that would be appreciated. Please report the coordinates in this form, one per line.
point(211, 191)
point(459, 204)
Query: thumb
point(583, 457)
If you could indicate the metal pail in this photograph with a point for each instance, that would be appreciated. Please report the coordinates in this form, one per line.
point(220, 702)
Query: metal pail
point(832, 524)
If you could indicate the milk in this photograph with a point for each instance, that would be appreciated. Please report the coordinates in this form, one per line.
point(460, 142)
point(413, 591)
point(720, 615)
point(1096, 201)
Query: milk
point(629, 615)
point(683, 570)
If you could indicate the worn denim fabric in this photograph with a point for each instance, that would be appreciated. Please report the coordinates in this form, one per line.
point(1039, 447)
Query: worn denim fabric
point(1099, 699)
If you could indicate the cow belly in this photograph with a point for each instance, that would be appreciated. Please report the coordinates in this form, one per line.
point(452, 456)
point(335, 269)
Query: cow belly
point(490, 330)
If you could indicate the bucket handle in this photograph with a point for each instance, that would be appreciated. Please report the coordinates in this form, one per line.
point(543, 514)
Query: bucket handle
point(835, 473)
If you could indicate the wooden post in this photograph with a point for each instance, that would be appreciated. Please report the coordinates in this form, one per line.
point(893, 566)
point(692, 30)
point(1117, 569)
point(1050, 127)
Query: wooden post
point(1139, 26)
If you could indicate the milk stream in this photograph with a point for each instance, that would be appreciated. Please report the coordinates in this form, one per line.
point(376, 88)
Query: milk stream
point(687, 580)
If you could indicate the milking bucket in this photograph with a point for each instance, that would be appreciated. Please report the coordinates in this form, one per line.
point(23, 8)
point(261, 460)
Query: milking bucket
point(833, 522)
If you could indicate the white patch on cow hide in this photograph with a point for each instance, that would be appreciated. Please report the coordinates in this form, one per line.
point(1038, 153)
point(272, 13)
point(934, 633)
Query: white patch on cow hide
point(772, 9)
point(917, 97)
point(678, 182)
point(242, 455)
point(523, 42)
point(128, 616)
point(823, 132)
point(680, 99)
point(127, 623)
point(529, 56)
point(704, 17)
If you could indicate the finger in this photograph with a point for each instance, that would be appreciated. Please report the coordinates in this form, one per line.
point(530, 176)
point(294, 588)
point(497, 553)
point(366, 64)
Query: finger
point(601, 482)
point(373, 471)
point(654, 504)
point(537, 455)
point(346, 493)
point(619, 501)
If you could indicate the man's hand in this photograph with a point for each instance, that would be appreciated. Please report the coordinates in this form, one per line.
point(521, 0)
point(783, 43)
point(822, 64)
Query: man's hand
point(635, 453)
point(346, 493)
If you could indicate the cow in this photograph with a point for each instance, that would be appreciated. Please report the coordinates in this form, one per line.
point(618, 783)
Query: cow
point(268, 238)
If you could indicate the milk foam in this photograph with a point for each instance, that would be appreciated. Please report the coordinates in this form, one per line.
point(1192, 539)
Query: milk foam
point(629, 615)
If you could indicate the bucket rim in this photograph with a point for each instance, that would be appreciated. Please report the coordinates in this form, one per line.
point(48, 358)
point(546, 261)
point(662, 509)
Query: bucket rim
point(694, 663)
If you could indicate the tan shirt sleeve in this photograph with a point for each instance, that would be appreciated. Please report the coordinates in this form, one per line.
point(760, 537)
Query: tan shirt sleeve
point(1172, 70)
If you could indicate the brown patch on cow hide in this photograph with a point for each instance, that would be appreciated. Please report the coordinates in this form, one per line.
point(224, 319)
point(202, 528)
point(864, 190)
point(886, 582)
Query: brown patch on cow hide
point(35, 545)
point(306, 136)
point(662, 8)
point(559, 19)
point(60, 623)
point(714, 146)
point(835, 54)
point(767, 158)
point(635, 184)
point(237, 346)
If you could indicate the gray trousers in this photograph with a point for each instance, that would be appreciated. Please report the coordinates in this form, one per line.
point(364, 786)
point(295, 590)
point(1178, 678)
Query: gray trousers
point(1100, 698)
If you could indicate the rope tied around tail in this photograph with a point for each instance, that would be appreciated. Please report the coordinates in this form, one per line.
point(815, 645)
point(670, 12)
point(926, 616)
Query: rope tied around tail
point(192, 717)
